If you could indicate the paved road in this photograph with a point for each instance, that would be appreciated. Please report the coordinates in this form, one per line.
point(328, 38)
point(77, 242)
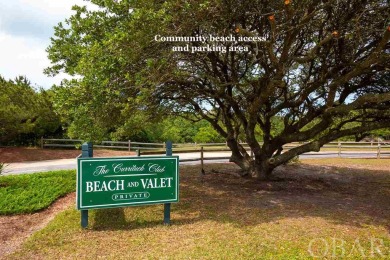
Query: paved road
point(185, 158)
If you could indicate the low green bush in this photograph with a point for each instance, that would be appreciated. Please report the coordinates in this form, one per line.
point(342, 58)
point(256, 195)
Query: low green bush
point(29, 193)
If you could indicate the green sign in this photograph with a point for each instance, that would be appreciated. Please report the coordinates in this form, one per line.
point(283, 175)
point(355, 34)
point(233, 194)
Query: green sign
point(119, 182)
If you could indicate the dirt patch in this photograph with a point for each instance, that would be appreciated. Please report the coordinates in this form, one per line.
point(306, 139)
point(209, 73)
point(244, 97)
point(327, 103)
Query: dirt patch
point(302, 190)
point(14, 230)
point(23, 154)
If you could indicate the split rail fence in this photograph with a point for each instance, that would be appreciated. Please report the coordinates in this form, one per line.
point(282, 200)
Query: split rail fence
point(380, 148)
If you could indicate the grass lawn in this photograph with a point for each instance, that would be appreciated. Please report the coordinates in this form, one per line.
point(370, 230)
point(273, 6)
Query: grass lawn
point(330, 212)
point(28, 193)
point(355, 163)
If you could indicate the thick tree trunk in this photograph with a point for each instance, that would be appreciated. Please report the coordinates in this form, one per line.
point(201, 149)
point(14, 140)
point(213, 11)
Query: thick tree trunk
point(261, 170)
point(257, 169)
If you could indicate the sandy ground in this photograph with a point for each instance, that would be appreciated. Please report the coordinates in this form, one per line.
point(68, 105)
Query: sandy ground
point(14, 230)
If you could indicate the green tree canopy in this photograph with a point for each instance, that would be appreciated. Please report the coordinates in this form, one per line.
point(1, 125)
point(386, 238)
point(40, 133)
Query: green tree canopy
point(317, 66)
point(25, 114)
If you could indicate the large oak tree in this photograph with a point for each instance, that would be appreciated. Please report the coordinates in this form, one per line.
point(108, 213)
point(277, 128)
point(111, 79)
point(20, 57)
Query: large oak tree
point(320, 66)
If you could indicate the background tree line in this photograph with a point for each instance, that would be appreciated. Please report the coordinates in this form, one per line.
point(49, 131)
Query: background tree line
point(26, 113)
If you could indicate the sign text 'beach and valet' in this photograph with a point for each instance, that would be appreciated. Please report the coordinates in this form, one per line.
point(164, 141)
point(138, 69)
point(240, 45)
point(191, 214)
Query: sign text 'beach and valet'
point(120, 182)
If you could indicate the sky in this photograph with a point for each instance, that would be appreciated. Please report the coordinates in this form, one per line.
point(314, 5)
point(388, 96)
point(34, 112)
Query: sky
point(25, 30)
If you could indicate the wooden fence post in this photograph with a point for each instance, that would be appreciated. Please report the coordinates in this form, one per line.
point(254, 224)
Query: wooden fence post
point(201, 161)
point(378, 154)
point(42, 142)
point(129, 145)
point(339, 146)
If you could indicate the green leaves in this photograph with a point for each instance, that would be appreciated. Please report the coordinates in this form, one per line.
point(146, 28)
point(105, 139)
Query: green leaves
point(25, 114)
point(312, 61)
